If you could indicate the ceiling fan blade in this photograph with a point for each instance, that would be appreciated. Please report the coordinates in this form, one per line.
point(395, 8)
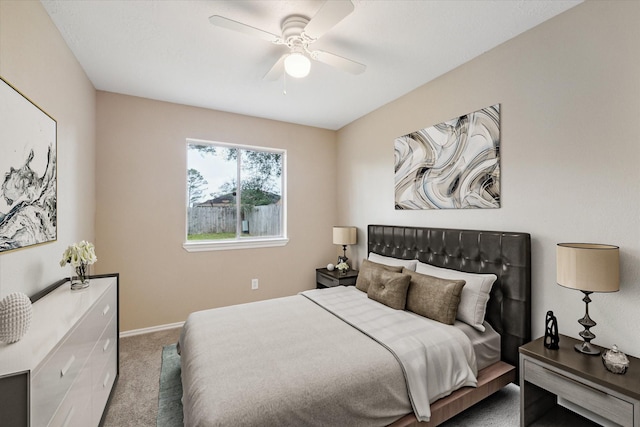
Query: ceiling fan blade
point(276, 71)
point(221, 21)
point(327, 17)
point(338, 62)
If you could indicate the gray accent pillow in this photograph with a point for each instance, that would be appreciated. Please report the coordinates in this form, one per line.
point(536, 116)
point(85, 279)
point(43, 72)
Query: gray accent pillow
point(389, 288)
point(475, 295)
point(433, 297)
point(368, 271)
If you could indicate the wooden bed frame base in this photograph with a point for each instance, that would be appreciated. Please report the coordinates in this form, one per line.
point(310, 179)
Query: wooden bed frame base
point(490, 380)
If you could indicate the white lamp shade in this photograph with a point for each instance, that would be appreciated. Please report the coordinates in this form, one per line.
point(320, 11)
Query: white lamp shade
point(588, 267)
point(345, 236)
point(297, 65)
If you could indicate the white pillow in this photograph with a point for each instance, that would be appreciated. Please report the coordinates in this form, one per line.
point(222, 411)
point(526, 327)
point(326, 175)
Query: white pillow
point(409, 264)
point(475, 294)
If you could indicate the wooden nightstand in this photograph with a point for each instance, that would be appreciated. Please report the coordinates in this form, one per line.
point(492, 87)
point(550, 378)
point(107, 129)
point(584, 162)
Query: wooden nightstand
point(582, 380)
point(328, 279)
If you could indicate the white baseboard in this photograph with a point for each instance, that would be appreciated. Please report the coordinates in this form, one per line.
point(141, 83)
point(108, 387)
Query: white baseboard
point(150, 329)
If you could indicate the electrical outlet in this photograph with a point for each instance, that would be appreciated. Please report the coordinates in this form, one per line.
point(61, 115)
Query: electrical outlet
point(254, 284)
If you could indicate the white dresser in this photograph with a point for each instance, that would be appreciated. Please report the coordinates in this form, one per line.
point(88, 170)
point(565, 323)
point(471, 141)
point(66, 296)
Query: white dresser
point(62, 372)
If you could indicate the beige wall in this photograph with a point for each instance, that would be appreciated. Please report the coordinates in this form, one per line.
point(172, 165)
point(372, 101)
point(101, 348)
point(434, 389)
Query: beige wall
point(140, 222)
point(570, 99)
point(570, 123)
point(35, 59)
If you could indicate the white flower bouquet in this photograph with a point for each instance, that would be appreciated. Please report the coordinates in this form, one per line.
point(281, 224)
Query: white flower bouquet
point(80, 256)
point(343, 267)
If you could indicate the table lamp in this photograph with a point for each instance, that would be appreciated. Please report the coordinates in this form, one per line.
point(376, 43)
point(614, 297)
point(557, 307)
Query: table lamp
point(588, 267)
point(344, 236)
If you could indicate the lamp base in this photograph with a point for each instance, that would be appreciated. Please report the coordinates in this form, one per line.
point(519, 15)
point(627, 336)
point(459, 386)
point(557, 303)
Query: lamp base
point(587, 348)
point(343, 258)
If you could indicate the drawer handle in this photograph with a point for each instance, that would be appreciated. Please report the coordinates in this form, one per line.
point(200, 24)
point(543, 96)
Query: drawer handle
point(106, 345)
point(106, 309)
point(66, 367)
point(67, 419)
point(106, 380)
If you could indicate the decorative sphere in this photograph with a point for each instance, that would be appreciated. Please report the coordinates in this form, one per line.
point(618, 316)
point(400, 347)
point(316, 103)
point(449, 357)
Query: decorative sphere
point(330, 267)
point(15, 317)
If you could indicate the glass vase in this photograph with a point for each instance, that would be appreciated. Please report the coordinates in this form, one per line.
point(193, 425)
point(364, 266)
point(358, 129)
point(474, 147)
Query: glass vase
point(81, 278)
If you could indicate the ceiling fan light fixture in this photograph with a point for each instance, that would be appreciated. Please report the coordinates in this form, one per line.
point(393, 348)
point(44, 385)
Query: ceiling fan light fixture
point(297, 65)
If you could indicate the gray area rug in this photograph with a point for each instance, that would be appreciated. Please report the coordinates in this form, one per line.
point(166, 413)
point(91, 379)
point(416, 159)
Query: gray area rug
point(500, 410)
point(170, 391)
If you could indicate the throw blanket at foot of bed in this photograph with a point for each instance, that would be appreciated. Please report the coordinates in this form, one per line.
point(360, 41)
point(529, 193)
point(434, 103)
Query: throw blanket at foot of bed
point(436, 359)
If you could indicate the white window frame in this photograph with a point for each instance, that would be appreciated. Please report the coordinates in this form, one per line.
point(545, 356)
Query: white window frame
point(244, 242)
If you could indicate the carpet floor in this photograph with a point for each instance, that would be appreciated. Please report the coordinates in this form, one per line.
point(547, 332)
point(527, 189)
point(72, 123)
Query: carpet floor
point(135, 399)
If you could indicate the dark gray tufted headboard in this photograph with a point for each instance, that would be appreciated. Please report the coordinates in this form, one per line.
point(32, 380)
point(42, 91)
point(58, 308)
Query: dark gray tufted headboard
point(505, 254)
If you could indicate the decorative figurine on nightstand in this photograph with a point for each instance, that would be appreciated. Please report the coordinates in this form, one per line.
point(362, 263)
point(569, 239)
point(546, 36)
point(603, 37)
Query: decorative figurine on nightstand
point(615, 360)
point(551, 337)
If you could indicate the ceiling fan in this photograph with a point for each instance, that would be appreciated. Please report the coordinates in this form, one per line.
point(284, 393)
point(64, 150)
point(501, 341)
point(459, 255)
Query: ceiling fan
point(298, 33)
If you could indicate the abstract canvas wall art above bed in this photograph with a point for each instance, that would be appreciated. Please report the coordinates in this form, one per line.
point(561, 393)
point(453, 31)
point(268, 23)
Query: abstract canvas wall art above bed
point(452, 165)
point(28, 177)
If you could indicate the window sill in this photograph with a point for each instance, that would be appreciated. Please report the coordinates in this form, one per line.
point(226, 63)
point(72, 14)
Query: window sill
point(203, 246)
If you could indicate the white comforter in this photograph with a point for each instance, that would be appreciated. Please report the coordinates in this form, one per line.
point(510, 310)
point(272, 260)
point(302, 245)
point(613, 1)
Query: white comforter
point(290, 362)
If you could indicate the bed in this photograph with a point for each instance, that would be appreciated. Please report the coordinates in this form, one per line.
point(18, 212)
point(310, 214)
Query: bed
point(320, 358)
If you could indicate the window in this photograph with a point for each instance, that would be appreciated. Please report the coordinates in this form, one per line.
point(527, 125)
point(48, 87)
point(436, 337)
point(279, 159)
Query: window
point(224, 215)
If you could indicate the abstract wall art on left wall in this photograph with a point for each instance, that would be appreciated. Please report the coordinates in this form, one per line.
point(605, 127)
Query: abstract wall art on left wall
point(28, 172)
point(451, 165)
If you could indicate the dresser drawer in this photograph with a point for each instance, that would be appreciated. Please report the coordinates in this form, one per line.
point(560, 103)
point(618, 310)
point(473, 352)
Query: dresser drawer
point(600, 402)
point(102, 312)
point(104, 349)
point(75, 409)
point(102, 385)
point(54, 377)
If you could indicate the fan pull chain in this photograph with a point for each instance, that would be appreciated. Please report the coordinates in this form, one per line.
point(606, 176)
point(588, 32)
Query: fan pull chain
point(284, 83)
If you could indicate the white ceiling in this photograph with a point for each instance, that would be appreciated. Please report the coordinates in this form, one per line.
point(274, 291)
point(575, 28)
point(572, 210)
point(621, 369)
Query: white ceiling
point(168, 50)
